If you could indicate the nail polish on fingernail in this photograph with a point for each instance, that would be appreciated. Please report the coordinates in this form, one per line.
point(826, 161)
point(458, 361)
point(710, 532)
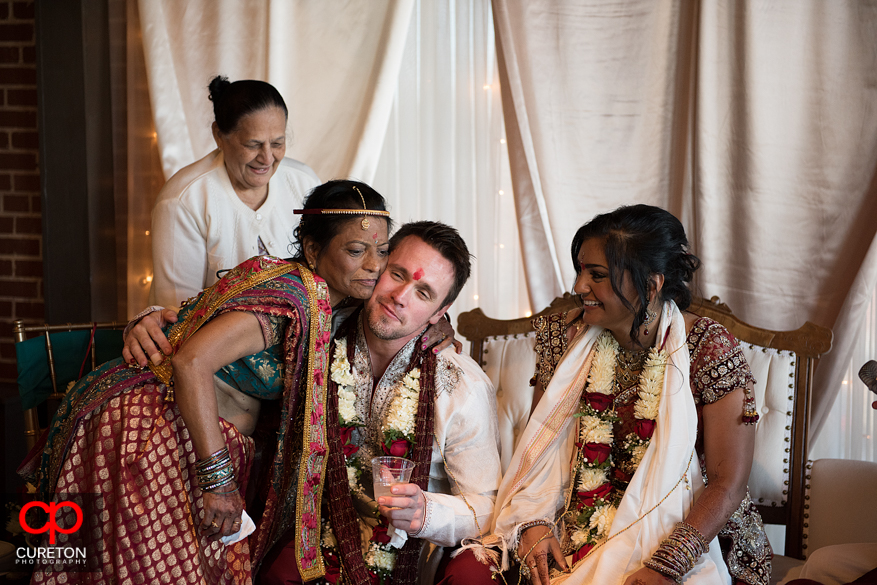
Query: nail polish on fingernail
point(435, 350)
point(426, 337)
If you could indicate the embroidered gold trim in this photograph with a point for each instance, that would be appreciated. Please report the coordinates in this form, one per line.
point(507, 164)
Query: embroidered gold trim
point(316, 570)
point(165, 371)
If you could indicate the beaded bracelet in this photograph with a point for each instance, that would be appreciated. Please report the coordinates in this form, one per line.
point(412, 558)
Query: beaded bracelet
point(526, 526)
point(534, 523)
point(215, 471)
point(237, 488)
point(218, 456)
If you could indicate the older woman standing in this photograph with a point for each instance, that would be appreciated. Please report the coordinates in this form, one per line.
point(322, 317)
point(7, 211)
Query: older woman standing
point(606, 479)
point(234, 203)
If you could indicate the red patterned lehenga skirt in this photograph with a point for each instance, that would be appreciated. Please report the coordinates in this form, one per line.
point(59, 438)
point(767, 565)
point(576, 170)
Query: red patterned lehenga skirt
point(135, 452)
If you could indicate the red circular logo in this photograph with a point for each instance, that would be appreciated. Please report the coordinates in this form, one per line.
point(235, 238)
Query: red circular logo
point(51, 524)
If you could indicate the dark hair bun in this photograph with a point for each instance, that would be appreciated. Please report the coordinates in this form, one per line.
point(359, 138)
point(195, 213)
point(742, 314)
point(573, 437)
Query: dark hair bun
point(233, 101)
point(217, 87)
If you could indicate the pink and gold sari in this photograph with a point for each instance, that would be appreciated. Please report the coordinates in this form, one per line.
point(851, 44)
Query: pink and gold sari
point(118, 434)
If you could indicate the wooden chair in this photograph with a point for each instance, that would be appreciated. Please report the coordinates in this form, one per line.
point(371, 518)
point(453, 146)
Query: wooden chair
point(781, 361)
point(49, 362)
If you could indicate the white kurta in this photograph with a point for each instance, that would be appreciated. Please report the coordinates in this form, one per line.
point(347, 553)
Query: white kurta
point(465, 430)
point(200, 225)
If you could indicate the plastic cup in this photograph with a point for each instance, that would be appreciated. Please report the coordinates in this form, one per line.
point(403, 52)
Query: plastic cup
point(387, 472)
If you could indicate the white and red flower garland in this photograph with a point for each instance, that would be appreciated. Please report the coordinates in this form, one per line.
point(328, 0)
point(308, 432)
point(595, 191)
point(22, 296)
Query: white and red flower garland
point(597, 497)
point(398, 437)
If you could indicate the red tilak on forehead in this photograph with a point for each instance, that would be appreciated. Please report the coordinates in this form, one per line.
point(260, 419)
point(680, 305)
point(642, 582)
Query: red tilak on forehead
point(418, 274)
point(375, 236)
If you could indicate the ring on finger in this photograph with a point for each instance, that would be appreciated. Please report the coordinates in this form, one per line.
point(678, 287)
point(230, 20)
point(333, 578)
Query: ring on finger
point(214, 524)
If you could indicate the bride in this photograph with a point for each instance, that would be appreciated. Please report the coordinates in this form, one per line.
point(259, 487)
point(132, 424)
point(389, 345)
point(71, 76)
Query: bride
point(633, 467)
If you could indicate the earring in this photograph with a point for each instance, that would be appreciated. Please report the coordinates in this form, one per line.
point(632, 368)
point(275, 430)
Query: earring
point(311, 266)
point(650, 318)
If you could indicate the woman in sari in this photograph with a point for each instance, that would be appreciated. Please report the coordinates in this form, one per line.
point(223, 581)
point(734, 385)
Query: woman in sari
point(606, 483)
point(170, 448)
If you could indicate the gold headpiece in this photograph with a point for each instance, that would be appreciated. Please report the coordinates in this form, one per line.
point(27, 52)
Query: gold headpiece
point(364, 211)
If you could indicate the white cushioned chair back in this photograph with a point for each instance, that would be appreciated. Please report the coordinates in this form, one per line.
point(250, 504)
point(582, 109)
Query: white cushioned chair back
point(510, 361)
point(841, 503)
point(774, 372)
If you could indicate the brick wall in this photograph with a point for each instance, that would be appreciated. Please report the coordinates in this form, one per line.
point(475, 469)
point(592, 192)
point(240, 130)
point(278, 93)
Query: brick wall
point(21, 265)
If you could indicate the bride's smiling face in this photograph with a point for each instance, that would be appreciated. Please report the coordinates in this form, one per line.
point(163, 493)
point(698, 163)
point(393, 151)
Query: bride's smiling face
point(602, 307)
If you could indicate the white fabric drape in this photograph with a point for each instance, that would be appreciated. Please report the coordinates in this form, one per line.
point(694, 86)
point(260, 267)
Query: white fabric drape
point(591, 104)
point(445, 157)
point(421, 73)
point(850, 427)
point(756, 124)
point(335, 63)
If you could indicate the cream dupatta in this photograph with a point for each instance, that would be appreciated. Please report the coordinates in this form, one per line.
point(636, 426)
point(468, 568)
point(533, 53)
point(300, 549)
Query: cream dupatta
point(537, 484)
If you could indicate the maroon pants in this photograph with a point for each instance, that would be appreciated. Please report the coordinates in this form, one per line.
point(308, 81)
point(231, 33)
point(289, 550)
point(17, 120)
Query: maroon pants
point(465, 569)
point(279, 567)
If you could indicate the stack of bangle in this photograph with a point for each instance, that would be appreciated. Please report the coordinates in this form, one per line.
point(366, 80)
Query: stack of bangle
point(678, 554)
point(215, 472)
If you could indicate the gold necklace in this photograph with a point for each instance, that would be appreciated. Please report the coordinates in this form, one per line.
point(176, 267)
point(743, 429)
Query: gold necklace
point(630, 363)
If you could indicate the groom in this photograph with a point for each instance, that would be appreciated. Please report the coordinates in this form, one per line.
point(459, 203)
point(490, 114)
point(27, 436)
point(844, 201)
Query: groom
point(388, 395)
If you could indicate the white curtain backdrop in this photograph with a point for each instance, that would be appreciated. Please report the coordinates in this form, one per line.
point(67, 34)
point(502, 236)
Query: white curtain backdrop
point(445, 156)
point(339, 66)
point(335, 63)
point(755, 123)
point(849, 430)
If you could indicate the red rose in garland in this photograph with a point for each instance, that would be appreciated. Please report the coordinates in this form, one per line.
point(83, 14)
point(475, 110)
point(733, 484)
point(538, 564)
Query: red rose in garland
point(582, 553)
point(645, 428)
point(596, 452)
point(598, 401)
point(602, 492)
point(379, 534)
point(398, 448)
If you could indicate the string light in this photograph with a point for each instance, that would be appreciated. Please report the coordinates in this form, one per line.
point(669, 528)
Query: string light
point(502, 140)
point(486, 86)
point(475, 297)
point(501, 192)
point(147, 232)
point(528, 314)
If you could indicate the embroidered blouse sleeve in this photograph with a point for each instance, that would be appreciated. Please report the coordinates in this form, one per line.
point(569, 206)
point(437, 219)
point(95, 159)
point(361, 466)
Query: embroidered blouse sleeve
point(273, 327)
point(717, 362)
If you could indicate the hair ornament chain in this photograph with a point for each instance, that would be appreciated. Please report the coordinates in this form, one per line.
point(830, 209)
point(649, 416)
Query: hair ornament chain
point(364, 211)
